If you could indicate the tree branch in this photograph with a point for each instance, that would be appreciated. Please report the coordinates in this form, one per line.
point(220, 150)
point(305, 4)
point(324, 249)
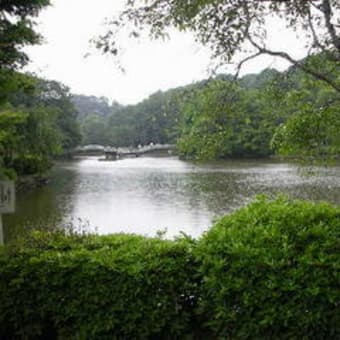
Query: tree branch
point(285, 55)
point(303, 67)
point(327, 11)
point(240, 64)
point(315, 37)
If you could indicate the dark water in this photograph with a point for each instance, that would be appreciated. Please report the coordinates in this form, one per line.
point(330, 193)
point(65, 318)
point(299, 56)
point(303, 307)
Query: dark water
point(144, 195)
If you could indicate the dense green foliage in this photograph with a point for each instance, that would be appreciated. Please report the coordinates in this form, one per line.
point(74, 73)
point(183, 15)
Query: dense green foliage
point(224, 120)
point(38, 122)
point(37, 118)
point(228, 28)
point(312, 109)
point(110, 287)
point(272, 271)
point(91, 105)
point(288, 113)
point(16, 30)
point(153, 120)
point(175, 116)
point(269, 271)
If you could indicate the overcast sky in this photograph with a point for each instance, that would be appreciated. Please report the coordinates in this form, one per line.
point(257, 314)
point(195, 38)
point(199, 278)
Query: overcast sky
point(68, 25)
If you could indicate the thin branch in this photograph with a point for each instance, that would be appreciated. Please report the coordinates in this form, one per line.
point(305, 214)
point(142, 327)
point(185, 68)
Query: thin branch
point(318, 7)
point(327, 10)
point(315, 37)
point(303, 67)
point(285, 55)
point(240, 64)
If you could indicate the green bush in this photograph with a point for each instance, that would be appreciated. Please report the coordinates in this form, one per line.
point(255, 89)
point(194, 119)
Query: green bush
point(97, 287)
point(271, 271)
point(31, 164)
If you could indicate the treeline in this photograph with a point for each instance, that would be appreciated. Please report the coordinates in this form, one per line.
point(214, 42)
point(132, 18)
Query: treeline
point(37, 122)
point(153, 120)
point(258, 115)
point(167, 117)
point(289, 113)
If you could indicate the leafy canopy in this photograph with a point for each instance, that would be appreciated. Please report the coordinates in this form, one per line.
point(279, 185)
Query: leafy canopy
point(229, 27)
point(16, 30)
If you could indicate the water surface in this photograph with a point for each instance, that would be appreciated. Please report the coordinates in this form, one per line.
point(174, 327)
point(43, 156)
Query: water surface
point(143, 195)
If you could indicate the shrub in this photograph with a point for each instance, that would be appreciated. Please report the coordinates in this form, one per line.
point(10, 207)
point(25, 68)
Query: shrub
point(271, 271)
point(31, 164)
point(97, 287)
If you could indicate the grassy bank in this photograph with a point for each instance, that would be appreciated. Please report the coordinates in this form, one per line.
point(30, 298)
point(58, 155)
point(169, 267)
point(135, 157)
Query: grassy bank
point(268, 271)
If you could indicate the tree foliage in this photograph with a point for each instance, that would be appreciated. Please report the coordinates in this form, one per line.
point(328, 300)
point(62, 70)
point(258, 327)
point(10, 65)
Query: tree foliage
point(224, 120)
point(230, 27)
point(237, 31)
point(16, 30)
point(312, 111)
point(155, 120)
point(91, 105)
point(36, 125)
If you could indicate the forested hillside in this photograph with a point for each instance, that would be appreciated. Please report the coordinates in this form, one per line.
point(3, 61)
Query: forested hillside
point(255, 116)
point(161, 118)
point(289, 113)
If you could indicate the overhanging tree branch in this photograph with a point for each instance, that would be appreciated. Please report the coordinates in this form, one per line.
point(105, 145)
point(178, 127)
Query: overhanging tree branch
point(240, 64)
point(327, 11)
point(285, 55)
point(299, 64)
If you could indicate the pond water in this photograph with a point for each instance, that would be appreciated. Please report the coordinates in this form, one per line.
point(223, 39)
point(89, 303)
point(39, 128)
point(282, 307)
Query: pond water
point(144, 195)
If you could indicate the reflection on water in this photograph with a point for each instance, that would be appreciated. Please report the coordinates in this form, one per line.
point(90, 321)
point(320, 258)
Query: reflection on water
point(144, 195)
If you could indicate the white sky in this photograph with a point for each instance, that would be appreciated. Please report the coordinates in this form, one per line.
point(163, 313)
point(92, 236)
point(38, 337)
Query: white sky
point(68, 26)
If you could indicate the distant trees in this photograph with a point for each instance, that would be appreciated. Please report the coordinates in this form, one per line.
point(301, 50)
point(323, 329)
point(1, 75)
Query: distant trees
point(89, 105)
point(224, 120)
point(209, 119)
point(153, 120)
point(289, 113)
point(94, 129)
point(236, 31)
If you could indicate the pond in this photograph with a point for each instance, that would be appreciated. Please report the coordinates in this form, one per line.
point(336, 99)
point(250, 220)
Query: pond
point(144, 195)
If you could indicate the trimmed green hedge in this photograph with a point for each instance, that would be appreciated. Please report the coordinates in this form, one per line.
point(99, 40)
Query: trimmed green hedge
point(124, 287)
point(269, 271)
point(272, 271)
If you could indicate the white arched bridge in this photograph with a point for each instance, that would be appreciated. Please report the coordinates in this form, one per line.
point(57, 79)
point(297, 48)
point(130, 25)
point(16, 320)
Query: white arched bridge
point(112, 153)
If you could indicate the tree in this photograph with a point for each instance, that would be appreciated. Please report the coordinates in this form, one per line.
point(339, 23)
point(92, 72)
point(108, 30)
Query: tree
point(36, 125)
point(16, 30)
point(311, 109)
point(232, 26)
point(224, 120)
point(94, 130)
point(89, 105)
